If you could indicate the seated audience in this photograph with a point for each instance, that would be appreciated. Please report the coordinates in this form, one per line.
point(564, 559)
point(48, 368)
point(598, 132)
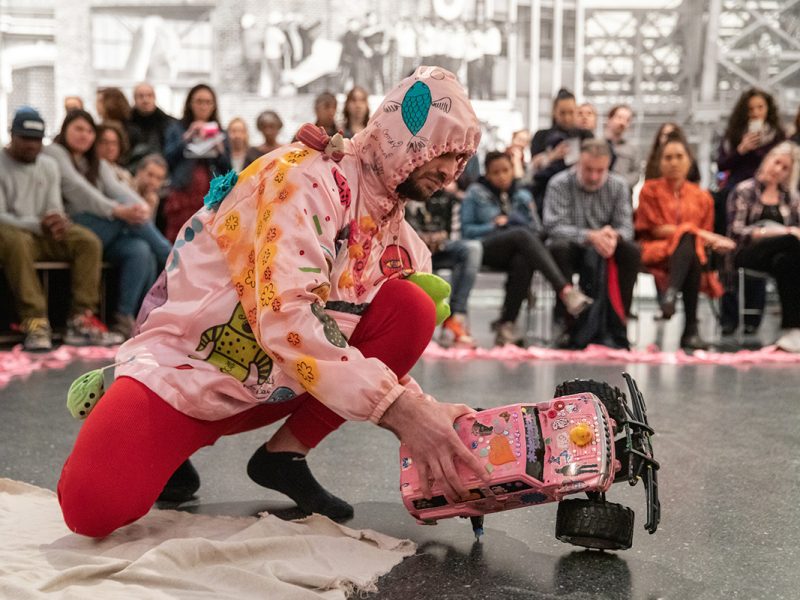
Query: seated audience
point(500, 213)
point(72, 103)
point(766, 227)
point(269, 124)
point(196, 150)
point(754, 128)
point(119, 217)
point(625, 160)
point(674, 223)
point(589, 226)
point(33, 227)
point(652, 169)
point(325, 111)
point(556, 148)
point(356, 111)
point(149, 179)
point(587, 117)
point(242, 154)
point(520, 153)
point(112, 105)
point(112, 143)
point(147, 125)
point(433, 220)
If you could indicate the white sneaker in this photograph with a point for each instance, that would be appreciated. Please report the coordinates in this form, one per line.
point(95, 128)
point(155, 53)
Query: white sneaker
point(790, 341)
point(575, 301)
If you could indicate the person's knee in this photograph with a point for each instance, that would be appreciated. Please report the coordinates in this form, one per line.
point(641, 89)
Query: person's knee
point(15, 241)
point(95, 510)
point(471, 253)
point(414, 303)
point(87, 243)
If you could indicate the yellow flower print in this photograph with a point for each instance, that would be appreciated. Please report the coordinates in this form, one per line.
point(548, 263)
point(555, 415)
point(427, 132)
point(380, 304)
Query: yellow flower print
point(366, 223)
point(267, 294)
point(307, 372)
point(346, 280)
point(279, 177)
point(356, 251)
point(232, 222)
point(250, 278)
point(272, 234)
point(267, 254)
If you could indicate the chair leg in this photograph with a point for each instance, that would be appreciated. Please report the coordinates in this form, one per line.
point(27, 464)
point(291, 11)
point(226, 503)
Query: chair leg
point(741, 302)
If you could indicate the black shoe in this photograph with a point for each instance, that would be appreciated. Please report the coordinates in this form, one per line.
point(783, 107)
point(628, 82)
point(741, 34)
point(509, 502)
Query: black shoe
point(183, 484)
point(693, 342)
point(288, 473)
point(668, 303)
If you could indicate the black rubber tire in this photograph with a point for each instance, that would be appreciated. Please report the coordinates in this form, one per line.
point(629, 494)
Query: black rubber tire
point(612, 398)
point(595, 524)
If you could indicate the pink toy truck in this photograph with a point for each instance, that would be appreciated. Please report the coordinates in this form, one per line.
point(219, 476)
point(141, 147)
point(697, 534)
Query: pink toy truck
point(583, 440)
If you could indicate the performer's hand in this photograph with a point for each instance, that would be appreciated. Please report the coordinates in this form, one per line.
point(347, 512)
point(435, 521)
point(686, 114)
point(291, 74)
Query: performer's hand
point(425, 426)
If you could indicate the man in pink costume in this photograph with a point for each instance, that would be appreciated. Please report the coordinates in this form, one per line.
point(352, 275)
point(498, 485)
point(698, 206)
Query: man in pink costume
point(287, 297)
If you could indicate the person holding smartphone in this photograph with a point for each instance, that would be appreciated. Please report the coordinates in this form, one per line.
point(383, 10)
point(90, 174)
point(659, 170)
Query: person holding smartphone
point(753, 130)
point(196, 150)
point(556, 148)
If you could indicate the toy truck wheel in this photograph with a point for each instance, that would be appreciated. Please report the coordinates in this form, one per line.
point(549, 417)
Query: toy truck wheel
point(612, 398)
point(595, 524)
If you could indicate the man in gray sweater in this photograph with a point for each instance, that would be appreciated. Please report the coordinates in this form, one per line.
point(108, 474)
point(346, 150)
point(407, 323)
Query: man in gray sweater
point(33, 227)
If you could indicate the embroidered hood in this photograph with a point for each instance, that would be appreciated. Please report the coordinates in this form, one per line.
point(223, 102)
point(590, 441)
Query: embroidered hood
point(426, 115)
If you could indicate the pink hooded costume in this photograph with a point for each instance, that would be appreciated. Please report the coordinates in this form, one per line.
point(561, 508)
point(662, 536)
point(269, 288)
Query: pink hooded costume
point(261, 293)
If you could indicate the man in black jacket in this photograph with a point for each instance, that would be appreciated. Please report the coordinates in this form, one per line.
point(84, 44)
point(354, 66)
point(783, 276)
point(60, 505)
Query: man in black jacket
point(147, 124)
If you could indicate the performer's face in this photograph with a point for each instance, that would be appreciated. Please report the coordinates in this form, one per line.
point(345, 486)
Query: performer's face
point(427, 179)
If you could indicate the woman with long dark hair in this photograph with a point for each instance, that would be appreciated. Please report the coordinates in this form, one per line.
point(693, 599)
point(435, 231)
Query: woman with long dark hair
point(196, 150)
point(356, 111)
point(118, 216)
point(653, 168)
point(673, 224)
point(753, 130)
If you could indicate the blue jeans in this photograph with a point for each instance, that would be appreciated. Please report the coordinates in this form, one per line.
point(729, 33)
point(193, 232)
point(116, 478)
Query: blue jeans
point(137, 251)
point(464, 258)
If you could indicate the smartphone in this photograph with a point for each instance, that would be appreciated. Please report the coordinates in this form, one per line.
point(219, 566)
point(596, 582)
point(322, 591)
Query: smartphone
point(755, 126)
point(210, 130)
point(573, 151)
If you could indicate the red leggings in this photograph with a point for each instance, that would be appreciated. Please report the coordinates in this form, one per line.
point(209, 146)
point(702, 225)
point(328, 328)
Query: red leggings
point(133, 440)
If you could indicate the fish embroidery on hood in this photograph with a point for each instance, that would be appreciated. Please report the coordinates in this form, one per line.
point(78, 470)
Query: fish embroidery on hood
point(415, 107)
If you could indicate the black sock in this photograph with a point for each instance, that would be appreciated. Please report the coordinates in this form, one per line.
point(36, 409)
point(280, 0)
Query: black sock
point(182, 485)
point(288, 473)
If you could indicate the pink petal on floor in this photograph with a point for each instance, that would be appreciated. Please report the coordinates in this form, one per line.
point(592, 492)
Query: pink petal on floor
point(18, 363)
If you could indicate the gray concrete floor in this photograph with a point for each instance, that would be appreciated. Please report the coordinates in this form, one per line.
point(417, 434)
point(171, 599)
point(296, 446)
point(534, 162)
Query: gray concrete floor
point(727, 440)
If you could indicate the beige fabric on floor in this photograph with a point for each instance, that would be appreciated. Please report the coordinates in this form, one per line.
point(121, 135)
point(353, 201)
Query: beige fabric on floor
point(170, 554)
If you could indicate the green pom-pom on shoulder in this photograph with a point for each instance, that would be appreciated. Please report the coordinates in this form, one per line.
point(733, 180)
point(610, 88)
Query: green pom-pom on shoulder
point(220, 187)
point(439, 291)
point(84, 393)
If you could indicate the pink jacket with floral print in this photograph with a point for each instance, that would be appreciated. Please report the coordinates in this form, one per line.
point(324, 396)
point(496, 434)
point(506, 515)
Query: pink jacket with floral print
point(261, 293)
